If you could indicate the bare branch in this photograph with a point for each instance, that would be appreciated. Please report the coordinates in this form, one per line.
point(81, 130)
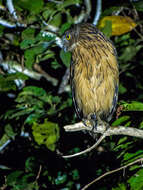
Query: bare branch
point(12, 67)
point(112, 171)
point(88, 149)
point(64, 82)
point(11, 9)
point(58, 40)
point(119, 130)
point(84, 14)
point(102, 129)
point(7, 24)
point(98, 12)
point(53, 80)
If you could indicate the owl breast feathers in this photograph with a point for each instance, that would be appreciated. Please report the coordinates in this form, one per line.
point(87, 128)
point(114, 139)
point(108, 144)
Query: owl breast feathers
point(94, 72)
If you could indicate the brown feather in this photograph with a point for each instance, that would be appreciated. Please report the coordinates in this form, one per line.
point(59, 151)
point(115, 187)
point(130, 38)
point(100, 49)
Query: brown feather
point(94, 73)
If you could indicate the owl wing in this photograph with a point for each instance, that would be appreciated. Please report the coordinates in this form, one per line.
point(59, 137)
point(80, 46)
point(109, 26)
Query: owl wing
point(114, 103)
point(77, 109)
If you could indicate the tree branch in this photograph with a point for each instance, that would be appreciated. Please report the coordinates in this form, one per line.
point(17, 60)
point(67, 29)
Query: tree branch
point(98, 12)
point(118, 130)
point(112, 171)
point(88, 149)
point(102, 129)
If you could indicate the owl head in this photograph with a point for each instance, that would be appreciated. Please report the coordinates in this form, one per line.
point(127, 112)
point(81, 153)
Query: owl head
point(70, 38)
point(80, 34)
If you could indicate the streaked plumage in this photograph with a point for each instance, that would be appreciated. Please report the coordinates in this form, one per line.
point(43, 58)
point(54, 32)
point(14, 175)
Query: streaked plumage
point(94, 73)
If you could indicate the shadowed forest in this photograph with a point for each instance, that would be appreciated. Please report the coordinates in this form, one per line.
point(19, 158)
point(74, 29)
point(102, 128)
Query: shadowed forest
point(36, 99)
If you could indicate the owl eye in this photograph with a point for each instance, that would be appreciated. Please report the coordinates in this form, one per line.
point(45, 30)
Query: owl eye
point(68, 36)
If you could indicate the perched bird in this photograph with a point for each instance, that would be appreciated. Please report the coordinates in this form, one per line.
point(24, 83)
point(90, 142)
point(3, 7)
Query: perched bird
point(94, 73)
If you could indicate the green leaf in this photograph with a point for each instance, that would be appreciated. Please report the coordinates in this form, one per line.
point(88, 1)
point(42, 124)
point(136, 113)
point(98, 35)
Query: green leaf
point(29, 164)
point(9, 131)
point(138, 5)
point(6, 84)
point(75, 174)
point(67, 3)
point(65, 57)
point(12, 178)
point(32, 6)
point(134, 167)
point(107, 30)
point(55, 65)
point(122, 89)
point(136, 181)
point(33, 91)
point(133, 156)
point(61, 178)
point(129, 52)
point(50, 10)
point(30, 54)
point(56, 21)
point(120, 187)
point(132, 106)
point(64, 27)
point(46, 133)
point(28, 34)
point(121, 120)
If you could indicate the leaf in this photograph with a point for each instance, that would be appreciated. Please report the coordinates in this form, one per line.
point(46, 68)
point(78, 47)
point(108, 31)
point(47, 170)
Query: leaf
point(56, 21)
point(129, 52)
point(120, 24)
point(121, 120)
point(120, 187)
point(138, 5)
point(13, 177)
point(64, 27)
point(32, 6)
point(29, 164)
point(30, 54)
point(65, 57)
point(107, 29)
point(28, 34)
point(136, 181)
point(46, 133)
point(132, 106)
point(6, 84)
point(33, 91)
point(61, 178)
point(122, 89)
point(133, 156)
point(9, 131)
point(67, 3)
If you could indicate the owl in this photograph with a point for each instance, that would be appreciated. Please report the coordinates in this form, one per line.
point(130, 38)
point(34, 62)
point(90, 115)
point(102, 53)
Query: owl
point(94, 73)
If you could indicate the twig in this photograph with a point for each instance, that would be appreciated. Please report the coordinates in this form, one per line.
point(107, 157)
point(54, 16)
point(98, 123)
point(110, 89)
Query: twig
point(58, 40)
point(88, 149)
point(53, 80)
point(4, 145)
point(11, 9)
point(50, 27)
point(102, 129)
point(84, 14)
point(64, 82)
point(112, 171)
point(38, 175)
point(10, 6)
point(12, 68)
point(98, 12)
point(7, 24)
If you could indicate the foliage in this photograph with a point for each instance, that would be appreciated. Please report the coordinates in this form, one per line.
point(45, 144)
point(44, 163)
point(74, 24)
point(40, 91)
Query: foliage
point(33, 112)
